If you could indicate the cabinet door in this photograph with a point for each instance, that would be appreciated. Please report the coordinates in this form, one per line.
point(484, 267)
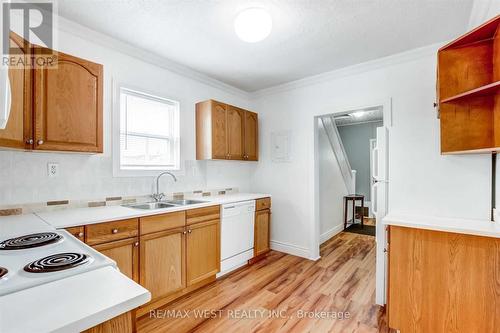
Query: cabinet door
point(68, 106)
point(124, 323)
point(203, 251)
point(262, 226)
point(18, 131)
point(162, 262)
point(126, 254)
point(251, 136)
point(236, 129)
point(219, 131)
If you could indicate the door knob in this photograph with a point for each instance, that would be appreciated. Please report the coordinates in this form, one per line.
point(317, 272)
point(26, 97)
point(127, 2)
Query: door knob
point(80, 235)
point(29, 141)
point(40, 142)
point(189, 231)
point(115, 231)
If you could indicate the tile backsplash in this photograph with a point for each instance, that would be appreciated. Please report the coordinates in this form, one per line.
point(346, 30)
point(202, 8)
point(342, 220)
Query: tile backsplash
point(24, 179)
point(26, 208)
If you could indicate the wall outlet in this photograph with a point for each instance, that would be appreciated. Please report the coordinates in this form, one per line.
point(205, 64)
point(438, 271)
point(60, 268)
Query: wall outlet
point(53, 170)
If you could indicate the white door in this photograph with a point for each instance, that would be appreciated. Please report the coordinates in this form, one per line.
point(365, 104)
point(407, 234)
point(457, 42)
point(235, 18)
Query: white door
point(379, 200)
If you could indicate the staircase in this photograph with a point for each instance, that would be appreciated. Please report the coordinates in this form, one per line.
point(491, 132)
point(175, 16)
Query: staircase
point(333, 135)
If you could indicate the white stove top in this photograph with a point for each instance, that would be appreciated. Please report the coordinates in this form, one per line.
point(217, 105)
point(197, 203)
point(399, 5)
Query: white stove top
point(15, 260)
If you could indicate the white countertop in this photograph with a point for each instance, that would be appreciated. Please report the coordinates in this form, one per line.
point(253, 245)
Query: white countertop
point(456, 225)
point(19, 225)
point(81, 216)
point(72, 304)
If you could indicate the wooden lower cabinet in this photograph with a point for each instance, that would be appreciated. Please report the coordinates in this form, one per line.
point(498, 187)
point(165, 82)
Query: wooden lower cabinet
point(126, 254)
point(262, 232)
point(203, 251)
point(443, 282)
point(170, 254)
point(124, 323)
point(163, 256)
point(78, 232)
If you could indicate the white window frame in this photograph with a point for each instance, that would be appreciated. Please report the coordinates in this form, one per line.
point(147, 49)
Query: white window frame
point(118, 171)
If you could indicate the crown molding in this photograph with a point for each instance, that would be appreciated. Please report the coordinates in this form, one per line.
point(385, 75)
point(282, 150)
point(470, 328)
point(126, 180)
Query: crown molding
point(84, 32)
point(371, 65)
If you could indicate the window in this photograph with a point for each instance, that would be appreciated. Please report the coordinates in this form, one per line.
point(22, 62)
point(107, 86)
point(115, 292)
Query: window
point(149, 132)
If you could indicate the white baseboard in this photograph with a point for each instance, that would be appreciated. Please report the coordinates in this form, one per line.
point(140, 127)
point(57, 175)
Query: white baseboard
point(330, 233)
point(294, 250)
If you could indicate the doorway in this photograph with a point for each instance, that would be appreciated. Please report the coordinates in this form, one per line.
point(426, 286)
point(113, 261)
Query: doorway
point(372, 183)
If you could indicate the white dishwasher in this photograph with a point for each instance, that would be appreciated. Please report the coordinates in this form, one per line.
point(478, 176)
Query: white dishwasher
point(237, 225)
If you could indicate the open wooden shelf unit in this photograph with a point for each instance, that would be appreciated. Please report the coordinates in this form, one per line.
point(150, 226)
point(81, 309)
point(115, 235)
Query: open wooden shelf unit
point(468, 91)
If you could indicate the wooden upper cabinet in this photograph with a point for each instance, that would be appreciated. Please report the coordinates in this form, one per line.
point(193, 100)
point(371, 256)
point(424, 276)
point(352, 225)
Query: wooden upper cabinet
point(225, 132)
point(468, 91)
point(57, 108)
point(68, 106)
point(18, 132)
point(235, 130)
point(251, 136)
point(219, 137)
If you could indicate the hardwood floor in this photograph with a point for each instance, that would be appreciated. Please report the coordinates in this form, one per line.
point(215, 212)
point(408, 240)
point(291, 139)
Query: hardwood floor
point(271, 295)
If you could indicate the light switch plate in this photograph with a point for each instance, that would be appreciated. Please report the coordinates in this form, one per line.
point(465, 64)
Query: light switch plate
point(53, 170)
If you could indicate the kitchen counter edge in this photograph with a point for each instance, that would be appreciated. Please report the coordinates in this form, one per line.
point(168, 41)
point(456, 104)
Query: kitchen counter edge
point(474, 227)
point(84, 216)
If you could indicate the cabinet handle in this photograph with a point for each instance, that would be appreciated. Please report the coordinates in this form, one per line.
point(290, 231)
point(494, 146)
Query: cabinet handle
point(115, 231)
point(80, 235)
point(30, 141)
point(136, 244)
point(40, 142)
point(184, 232)
point(189, 231)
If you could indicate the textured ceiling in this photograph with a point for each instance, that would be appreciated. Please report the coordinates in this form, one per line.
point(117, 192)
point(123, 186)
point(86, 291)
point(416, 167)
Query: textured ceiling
point(309, 36)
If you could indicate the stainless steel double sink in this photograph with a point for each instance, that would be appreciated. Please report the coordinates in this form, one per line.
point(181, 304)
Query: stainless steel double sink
point(164, 204)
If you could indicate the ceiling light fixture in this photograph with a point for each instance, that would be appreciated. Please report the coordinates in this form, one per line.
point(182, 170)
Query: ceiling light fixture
point(253, 25)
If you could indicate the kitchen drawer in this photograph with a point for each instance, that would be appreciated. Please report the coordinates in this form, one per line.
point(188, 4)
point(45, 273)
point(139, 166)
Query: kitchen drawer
point(261, 204)
point(78, 232)
point(150, 224)
point(111, 231)
point(202, 214)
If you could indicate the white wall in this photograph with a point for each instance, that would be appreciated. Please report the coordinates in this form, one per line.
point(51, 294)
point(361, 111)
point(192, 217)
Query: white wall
point(356, 141)
point(23, 175)
point(332, 188)
point(483, 10)
point(421, 180)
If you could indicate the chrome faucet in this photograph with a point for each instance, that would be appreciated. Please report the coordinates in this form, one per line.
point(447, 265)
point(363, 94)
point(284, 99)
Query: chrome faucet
point(159, 196)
